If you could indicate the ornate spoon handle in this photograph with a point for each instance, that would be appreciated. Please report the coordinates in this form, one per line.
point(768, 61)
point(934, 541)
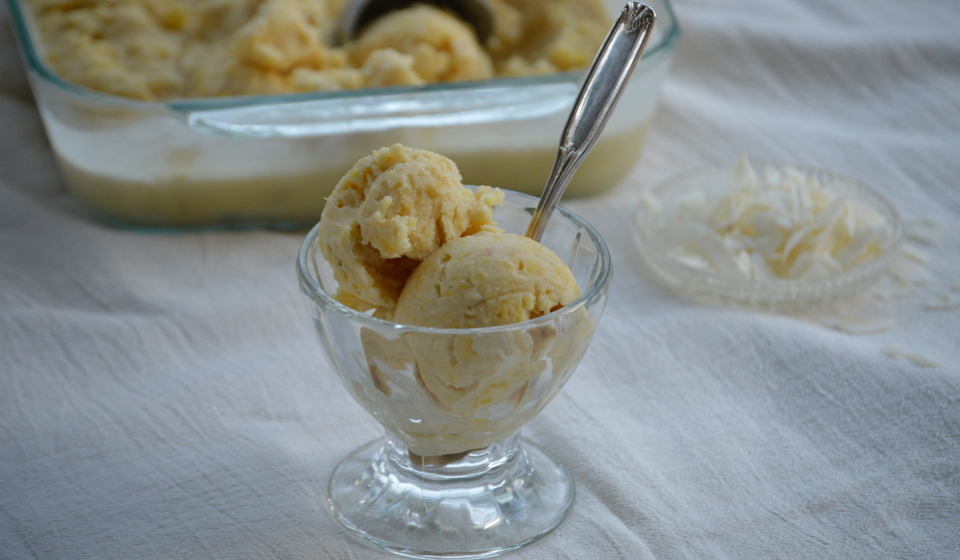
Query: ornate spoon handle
point(595, 102)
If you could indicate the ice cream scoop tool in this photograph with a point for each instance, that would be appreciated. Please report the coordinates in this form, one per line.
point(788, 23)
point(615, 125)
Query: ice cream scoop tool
point(361, 12)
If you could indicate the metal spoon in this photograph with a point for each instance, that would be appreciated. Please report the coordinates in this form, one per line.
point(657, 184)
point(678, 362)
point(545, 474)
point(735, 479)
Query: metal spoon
point(595, 102)
point(361, 12)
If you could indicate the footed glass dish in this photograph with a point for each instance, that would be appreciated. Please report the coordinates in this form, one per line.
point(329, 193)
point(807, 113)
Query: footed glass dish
point(452, 477)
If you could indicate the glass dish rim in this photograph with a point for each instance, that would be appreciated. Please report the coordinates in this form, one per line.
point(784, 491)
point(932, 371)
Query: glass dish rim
point(765, 291)
point(596, 290)
point(666, 45)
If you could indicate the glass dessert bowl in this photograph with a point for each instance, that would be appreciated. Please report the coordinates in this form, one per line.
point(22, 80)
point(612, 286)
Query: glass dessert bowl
point(452, 478)
point(698, 197)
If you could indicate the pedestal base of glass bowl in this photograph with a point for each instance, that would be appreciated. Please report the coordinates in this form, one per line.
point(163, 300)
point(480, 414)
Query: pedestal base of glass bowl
point(477, 505)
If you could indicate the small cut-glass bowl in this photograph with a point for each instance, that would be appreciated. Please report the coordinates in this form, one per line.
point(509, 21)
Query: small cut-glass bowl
point(452, 478)
point(658, 242)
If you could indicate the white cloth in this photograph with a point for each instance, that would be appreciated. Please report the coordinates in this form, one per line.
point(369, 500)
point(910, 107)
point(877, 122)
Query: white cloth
point(164, 396)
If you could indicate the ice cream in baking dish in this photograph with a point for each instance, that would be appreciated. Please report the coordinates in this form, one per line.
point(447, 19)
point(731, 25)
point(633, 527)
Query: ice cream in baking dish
point(410, 244)
point(235, 161)
point(169, 49)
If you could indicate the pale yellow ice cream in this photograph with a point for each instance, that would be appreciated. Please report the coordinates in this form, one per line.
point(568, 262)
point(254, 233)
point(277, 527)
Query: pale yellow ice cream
point(438, 46)
point(464, 374)
point(393, 209)
point(168, 49)
point(485, 280)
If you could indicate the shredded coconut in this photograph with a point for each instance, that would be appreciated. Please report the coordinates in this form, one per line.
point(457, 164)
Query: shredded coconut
point(925, 230)
point(898, 291)
point(914, 255)
point(920, 360)
point(892, 351)
point(944, 302)
point(863, 325)
point(909, 272)
point(779, 223)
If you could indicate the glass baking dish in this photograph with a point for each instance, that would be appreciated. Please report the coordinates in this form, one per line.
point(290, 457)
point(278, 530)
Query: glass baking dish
point(250, 161)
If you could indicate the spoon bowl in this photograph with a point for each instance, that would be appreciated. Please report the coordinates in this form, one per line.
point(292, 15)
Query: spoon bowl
point(359, 13)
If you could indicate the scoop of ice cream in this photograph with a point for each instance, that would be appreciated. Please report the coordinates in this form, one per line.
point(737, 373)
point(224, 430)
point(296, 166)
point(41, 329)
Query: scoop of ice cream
point(443, 47)
point(485, 280)
point(392, 210)
point(464, 374)
point(362, 306)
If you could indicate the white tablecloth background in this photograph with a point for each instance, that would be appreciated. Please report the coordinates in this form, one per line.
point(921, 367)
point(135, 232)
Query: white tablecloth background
point(164, 396)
